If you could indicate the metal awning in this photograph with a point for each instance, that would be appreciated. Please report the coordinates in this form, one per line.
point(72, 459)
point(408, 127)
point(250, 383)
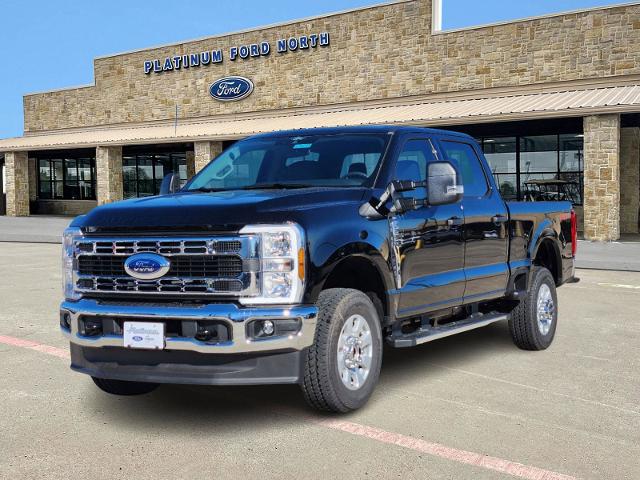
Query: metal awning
point(576, 102)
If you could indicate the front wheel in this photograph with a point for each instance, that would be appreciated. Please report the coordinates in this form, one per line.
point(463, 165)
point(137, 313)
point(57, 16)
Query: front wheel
point(533, 322)
point(120, 387)
point(343, 364)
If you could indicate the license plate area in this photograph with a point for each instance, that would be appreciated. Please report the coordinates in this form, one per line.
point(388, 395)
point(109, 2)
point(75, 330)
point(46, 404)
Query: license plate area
point(144, 335)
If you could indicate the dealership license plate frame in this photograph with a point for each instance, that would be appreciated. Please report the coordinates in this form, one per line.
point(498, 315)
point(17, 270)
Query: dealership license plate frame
point(144, 335)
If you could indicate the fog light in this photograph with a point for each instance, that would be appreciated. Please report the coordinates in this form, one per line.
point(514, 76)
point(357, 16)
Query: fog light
point(91, 328)
point(204, 334)
point(268, 328)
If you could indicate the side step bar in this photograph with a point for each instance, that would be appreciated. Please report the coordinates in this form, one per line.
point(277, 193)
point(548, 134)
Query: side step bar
point(428, 334)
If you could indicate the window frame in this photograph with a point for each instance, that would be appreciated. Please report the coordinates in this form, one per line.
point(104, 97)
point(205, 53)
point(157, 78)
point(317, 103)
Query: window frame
point(63, 159)
point(558, 173)
point(488, 184)
point(174, 158)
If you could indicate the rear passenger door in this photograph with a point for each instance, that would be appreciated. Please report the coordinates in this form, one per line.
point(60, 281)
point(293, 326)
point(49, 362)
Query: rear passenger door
point(486, 234)
point(427, 242)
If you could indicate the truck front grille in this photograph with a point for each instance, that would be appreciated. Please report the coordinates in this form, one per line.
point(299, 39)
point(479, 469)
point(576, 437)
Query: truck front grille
point(191, 266)
point(218, 266)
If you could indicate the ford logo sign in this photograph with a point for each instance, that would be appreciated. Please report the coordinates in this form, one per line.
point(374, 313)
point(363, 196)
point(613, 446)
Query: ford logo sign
point(147, 266)
point(137, 338)
point(230, 89)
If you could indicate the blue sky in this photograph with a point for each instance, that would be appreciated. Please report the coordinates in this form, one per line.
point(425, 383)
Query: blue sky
point(49, 44)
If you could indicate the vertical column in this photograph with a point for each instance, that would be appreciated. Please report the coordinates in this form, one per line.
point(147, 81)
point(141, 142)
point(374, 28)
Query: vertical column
point(33, 179)
point(191, 164)
point(17, 172)
point(602, 177)
point(205, 152)
point(629, 179)
point(109, 173)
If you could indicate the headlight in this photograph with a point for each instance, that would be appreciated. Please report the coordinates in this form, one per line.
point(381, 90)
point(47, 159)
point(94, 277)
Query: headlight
point(282, 266)
point(68, 258)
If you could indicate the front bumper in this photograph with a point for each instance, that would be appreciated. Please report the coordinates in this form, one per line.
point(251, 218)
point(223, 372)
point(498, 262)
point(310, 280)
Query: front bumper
point(238, 360)
point(236, 318)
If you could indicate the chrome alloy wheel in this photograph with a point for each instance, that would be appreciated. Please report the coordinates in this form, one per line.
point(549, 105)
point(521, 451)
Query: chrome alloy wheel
point(355, 352)
point(545, 309)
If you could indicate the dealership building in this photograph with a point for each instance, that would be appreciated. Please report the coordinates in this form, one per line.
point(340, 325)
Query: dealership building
point(550, 98)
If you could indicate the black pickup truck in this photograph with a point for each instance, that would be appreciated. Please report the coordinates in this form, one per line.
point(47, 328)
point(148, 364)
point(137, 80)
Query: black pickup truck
point(293, 256)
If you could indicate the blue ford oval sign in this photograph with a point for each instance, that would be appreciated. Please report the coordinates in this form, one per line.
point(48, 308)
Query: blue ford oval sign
point(230, 89)
point(147, 266)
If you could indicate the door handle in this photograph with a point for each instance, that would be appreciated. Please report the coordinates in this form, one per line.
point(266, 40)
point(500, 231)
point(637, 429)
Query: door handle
point(455, 221)
point(499, 219)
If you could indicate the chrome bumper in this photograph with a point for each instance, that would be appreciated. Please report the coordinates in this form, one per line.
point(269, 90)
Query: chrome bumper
point(234, 316)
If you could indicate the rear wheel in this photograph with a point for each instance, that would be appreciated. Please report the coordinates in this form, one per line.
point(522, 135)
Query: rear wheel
point(343, 365)
point(533, 322)
point(120, 387)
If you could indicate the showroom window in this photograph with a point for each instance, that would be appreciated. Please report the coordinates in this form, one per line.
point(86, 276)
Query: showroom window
point(542, 166)
point(143, 172)
point(66, 177)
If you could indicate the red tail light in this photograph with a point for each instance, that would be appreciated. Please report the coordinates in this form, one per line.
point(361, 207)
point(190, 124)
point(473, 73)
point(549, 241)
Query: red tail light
point(574, 233)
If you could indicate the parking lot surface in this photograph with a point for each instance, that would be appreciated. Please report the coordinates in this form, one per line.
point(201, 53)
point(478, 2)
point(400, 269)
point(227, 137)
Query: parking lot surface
point(470, 406)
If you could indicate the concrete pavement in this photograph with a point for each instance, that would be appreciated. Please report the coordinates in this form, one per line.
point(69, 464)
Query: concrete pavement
point(572, 411)
point(34, 229)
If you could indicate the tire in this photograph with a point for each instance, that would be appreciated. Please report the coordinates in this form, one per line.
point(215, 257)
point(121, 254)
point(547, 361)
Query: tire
point(323, 385)
point(527, 332)
point(120, 387)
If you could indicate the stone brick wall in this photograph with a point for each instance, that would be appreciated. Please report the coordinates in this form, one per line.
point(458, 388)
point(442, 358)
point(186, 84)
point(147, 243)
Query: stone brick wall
point(375, 53)
point(204, 153)
point(17, 175)
point(33, 179)
point(109, 173)
point(629, 179)
point(602, 177)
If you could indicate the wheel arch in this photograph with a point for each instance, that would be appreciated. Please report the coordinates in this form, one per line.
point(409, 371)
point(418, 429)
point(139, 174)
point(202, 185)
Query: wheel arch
point(359, 266)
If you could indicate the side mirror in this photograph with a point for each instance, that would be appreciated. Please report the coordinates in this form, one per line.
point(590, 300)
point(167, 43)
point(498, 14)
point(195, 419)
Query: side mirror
point(443, 184)
point(170, 184)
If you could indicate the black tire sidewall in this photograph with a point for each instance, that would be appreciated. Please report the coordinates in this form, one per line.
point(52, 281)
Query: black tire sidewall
point(542, 276)
point(355, 304)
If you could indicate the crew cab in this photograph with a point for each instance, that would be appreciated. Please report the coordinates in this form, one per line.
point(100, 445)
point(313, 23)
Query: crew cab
point(294, 256)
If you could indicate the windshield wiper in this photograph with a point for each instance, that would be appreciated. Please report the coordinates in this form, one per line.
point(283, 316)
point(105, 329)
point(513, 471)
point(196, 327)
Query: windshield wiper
point(206, 190)
point(259, 186)
point(272, 186)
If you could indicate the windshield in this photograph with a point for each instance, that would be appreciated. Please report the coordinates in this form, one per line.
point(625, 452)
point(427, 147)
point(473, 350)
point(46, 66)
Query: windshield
point(342, 160)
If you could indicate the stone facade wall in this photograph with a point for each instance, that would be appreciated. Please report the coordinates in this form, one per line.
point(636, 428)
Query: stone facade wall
point(602, 177)
point(109, 173)
point(204, 153)
point(629, 179)
point(17, 174)
point(375, 53)
point(33, 179)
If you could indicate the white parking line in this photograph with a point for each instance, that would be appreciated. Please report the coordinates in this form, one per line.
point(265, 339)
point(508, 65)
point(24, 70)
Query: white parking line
point(619, 285)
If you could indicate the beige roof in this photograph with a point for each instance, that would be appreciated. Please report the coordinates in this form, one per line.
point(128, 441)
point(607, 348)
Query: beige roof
point(575, 102)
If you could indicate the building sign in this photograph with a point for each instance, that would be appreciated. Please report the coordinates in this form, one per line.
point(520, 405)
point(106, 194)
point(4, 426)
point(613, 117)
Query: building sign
point(243, 52)
point(230, 89)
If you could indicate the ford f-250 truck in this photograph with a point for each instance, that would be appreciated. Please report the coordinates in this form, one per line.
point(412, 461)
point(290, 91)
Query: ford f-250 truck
point(293, 256)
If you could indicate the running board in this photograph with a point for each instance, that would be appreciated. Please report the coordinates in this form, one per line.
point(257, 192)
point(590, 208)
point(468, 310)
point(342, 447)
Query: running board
point(429, 334)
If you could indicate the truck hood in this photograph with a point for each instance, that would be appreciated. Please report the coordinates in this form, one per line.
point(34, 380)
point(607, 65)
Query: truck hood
point(216, 211)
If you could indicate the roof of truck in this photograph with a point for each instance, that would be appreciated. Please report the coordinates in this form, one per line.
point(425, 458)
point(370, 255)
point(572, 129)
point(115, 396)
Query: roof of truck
point(364, 129)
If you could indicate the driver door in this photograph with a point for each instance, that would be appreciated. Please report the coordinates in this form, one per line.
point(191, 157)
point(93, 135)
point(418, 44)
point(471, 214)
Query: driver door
point(428, 245)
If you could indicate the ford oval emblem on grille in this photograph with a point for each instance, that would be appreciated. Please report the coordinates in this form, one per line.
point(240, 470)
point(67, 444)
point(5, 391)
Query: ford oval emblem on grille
point(229, 89)
point(147, 266)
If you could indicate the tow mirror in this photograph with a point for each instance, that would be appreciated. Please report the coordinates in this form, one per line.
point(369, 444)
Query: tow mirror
point(170, 184)
point(443, 184)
